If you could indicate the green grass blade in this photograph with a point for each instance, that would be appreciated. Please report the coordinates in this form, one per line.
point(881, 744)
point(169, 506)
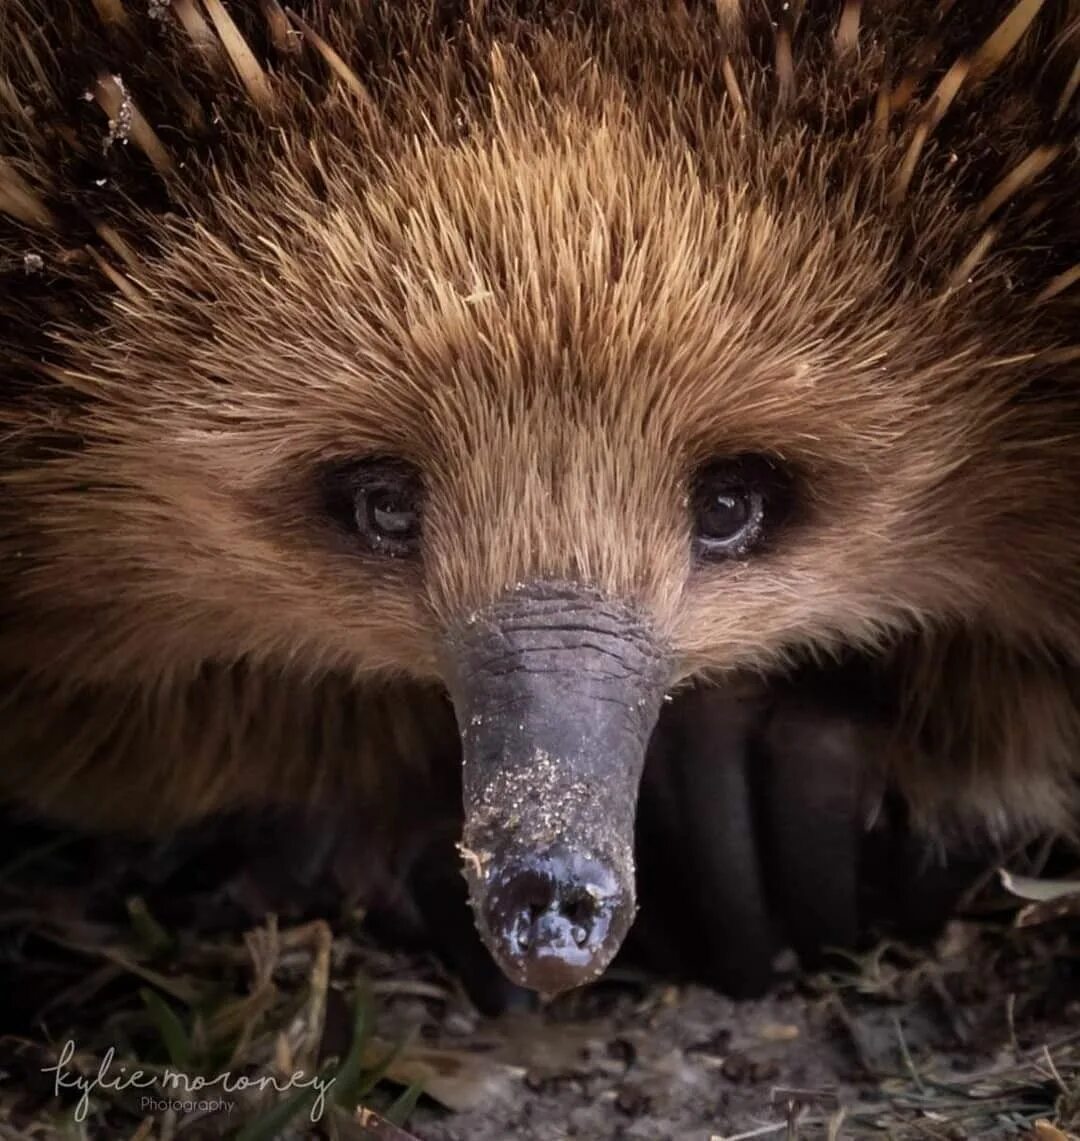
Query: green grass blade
point(172, 1031)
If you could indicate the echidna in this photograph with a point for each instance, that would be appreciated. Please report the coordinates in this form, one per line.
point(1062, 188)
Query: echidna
point(549, 356)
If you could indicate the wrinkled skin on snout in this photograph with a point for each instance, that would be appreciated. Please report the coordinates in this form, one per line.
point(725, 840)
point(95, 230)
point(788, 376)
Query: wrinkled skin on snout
point(557, 692)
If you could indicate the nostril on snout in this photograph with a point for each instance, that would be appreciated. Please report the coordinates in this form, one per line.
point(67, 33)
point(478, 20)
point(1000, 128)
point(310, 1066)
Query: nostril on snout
point(544, 911)
point(531, 911)
point(555, 920)
point(578, 909)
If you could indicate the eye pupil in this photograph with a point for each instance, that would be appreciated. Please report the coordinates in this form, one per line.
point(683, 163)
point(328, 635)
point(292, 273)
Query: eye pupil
point(734, 502)
point(391, 515)
point(726, 515)
point(378, 503)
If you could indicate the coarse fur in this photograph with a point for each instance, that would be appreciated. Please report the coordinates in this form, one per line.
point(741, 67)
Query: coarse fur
point(556, 256)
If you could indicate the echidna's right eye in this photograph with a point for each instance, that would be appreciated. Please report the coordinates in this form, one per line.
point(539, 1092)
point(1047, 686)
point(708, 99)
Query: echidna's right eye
point(380, 501)
point(735, 503)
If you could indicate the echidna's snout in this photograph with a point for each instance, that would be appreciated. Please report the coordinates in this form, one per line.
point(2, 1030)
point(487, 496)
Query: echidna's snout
point(553, 919)
point(557, 691)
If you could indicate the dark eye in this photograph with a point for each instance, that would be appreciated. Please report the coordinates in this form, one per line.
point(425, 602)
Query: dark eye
point(734, 503)
point(388, 513)
point(378, 500)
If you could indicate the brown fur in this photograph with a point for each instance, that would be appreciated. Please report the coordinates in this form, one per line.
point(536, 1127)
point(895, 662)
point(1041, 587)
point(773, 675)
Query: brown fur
point(556, 262)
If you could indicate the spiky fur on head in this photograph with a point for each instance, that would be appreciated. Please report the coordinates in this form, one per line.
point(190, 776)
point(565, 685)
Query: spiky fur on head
point(556, 261)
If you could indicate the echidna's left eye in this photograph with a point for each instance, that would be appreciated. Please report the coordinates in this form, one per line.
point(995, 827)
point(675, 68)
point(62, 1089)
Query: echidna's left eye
point(733, 503)
point(388, 515)
point(379, 501)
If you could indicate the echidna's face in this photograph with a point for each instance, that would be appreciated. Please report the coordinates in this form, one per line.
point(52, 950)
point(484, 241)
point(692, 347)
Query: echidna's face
point(554, 417)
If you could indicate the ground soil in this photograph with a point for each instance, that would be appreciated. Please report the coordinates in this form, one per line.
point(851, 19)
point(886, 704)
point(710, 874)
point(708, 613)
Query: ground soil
point(960, 1044)
point(977, 1036)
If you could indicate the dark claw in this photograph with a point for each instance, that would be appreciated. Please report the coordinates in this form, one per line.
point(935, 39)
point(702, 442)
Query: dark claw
point(703, 897)
point(813, 777)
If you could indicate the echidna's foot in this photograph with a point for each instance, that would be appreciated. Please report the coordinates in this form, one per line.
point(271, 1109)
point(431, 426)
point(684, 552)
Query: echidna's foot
point(762, 827)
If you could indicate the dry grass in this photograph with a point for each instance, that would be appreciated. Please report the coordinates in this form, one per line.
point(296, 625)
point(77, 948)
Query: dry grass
point(249, 1018)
